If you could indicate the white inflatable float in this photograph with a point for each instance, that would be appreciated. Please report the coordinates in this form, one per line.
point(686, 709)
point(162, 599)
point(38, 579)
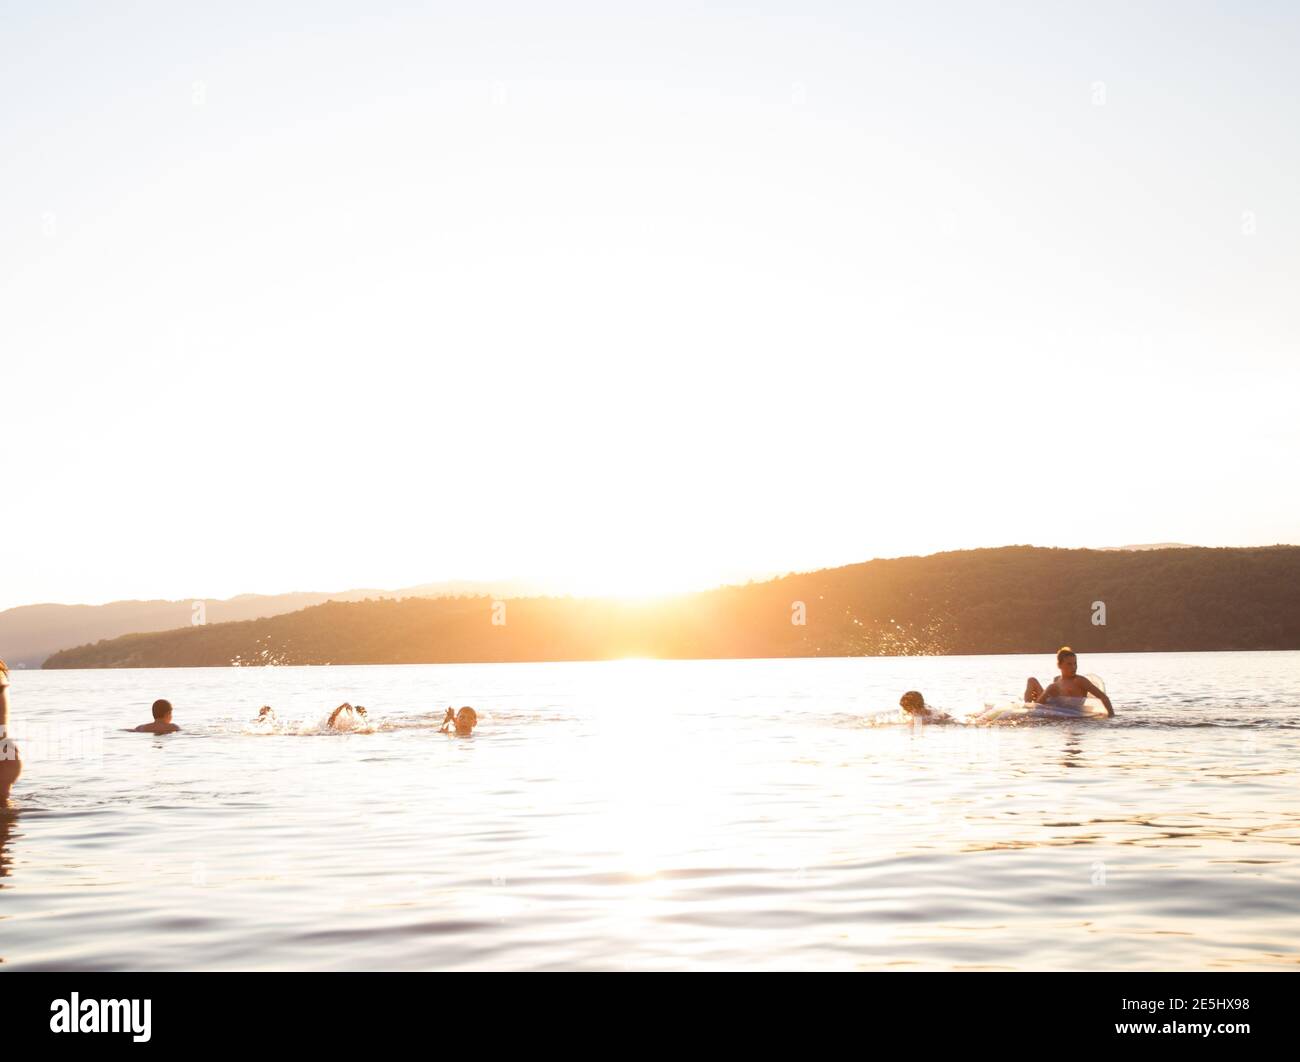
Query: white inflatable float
point(1059, 708)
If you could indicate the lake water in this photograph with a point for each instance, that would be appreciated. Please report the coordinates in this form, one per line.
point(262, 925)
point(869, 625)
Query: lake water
point(657, 815)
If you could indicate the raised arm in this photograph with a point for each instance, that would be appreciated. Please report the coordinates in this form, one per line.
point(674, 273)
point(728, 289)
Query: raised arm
point(344, 707)
point(1100, 694)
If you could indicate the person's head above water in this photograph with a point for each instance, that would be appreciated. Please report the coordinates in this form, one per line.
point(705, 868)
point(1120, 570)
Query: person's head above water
point(912, 703)
point(465, 720)
point(1067, 661)
point(162, 720)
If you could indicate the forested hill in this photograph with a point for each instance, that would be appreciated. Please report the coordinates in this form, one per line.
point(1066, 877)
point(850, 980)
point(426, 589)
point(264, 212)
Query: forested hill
point(1008, 600)
point(30, 633)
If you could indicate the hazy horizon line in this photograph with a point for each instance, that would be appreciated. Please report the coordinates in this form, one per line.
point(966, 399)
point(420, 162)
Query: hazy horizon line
point(539, 587)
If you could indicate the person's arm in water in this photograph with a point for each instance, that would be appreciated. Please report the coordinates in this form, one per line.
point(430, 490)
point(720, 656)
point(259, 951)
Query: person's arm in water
point(344, 707)
point(447, 720)
point(1100, 694)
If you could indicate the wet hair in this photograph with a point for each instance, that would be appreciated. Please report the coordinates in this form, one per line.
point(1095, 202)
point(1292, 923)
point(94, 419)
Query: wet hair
point(912, 702)
point(162, 709)
point(473, 715)
point(1063, 652)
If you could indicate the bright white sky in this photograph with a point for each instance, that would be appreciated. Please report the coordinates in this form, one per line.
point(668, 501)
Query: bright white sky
point(306, 296)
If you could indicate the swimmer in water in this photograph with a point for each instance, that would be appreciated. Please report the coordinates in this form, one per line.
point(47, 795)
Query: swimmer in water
point(357, 714)
point(162, 720)
point(266, 715)
point(913, 704)
point(10, 765)
point(1069, 685)
point(464, 721)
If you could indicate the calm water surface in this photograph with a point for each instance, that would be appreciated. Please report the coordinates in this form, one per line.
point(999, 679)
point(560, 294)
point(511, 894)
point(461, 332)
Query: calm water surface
point(657, 815)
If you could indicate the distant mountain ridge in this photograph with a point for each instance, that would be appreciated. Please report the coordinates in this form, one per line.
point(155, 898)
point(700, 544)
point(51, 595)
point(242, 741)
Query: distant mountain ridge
point(30, 633)
point(1153, 545)
point(1015, 599)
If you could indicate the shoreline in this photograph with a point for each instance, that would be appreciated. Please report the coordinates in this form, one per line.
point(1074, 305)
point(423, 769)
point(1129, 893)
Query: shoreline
point(661, 659)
